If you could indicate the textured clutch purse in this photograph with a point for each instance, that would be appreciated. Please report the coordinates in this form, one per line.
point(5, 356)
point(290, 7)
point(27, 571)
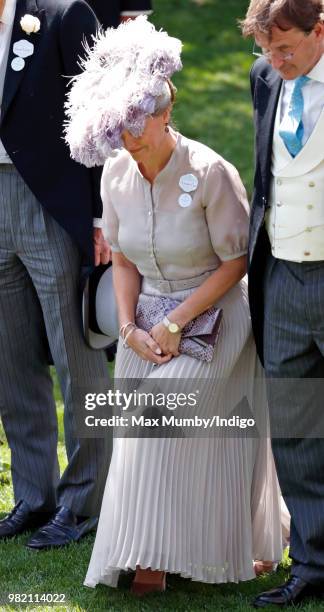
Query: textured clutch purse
point(198, 337)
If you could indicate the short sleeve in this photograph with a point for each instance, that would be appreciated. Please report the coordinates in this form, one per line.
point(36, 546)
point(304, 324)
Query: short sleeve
point(227, 210)
point(111, 222)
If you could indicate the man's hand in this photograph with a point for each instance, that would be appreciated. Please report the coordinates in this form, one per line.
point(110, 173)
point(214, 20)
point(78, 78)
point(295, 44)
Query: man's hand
point(102, 250)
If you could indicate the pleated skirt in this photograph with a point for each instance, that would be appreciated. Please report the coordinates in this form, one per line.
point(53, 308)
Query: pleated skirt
point(203, 508)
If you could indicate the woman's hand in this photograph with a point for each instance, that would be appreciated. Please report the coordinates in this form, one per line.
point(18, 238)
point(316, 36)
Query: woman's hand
point(146, 347)
point(168, 342)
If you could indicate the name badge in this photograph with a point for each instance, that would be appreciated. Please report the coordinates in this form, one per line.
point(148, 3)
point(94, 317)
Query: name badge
point(18, 64)
point(185, 200)
point(188, 182)
point(23, 48)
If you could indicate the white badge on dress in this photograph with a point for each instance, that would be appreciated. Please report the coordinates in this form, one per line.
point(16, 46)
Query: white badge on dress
point(23, 48)
point(185, 200)
point(18, 64)
point(188, 182)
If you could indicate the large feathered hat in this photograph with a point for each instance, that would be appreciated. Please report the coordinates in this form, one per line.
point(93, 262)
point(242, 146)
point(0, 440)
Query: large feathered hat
point(123, 76)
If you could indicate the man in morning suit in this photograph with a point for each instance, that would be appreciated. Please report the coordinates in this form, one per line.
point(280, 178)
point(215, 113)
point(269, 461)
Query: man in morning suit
point(111, 12)
point(286, 263)
point(48, 208)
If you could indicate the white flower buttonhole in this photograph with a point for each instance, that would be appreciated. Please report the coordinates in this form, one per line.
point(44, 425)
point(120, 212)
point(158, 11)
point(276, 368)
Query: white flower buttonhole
point(30, 24)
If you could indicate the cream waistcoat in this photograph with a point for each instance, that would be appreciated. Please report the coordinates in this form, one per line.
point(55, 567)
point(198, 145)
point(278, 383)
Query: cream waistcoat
point(295, 221)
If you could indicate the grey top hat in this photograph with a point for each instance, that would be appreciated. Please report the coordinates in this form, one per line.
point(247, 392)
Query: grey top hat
point(99, 310)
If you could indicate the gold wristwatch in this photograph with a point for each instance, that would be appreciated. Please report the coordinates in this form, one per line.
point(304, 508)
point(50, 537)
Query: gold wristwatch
point(173, 328)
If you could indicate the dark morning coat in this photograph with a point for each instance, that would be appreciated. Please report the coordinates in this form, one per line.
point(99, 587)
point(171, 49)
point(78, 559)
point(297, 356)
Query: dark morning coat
point(265, 87)
point(32, 115)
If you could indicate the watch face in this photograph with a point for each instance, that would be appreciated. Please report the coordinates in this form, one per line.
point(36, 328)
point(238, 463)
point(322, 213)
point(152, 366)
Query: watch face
point(174, 328)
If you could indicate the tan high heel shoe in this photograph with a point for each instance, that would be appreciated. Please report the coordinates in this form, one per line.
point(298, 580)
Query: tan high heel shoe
point(148, 581)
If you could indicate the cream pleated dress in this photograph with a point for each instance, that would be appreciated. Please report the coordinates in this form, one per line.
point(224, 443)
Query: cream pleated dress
point(200, 507)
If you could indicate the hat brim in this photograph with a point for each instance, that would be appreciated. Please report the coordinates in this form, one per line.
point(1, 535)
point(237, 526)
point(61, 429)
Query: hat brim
point(99, 309)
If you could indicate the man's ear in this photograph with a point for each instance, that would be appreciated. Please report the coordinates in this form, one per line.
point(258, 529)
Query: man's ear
point(318, 29)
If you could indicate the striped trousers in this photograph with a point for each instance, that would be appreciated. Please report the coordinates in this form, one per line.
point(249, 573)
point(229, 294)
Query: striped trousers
point(294, 350)
point(39, 270)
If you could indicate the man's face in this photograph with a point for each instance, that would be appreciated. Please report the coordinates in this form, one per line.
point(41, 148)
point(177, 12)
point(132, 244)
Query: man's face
point(303, 50)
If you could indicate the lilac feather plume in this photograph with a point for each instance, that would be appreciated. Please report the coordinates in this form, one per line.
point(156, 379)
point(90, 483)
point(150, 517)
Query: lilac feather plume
point(122, 76)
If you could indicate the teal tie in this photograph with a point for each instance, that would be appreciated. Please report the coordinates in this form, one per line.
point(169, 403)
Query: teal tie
point(292, 129)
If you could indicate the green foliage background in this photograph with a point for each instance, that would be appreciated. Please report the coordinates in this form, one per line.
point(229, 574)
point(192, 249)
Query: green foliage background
point(213, 103)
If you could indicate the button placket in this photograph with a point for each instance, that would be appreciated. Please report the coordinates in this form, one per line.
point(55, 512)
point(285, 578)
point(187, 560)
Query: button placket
point(148, 201)
point(152, 231)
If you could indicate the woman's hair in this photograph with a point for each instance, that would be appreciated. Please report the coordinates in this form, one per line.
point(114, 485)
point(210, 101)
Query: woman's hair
point(263, 15)
point(167, 98)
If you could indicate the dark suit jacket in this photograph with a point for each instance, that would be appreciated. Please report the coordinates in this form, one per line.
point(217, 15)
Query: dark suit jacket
point(32, 115)
point(108, 11)
point(265, 87)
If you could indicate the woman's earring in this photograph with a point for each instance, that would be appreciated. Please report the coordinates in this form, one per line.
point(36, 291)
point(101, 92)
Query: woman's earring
point(166, 128)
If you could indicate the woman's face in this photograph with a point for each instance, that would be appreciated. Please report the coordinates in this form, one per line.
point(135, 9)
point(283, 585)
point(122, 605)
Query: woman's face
point(149, 143)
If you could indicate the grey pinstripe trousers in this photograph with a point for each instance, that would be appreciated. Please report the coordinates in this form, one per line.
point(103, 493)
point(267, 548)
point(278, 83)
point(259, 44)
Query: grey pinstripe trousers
point(39, 267)
point(294, 348)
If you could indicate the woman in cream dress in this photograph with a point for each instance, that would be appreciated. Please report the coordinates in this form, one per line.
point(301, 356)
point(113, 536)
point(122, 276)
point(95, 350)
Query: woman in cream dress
point(200, 507)
point(177, 217)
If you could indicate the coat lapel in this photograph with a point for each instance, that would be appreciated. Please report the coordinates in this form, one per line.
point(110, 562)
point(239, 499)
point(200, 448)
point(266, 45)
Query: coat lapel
point(13, 78)
point(267, 92)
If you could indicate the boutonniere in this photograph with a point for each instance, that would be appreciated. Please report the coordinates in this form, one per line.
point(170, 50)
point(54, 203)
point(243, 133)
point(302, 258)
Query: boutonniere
point(30, 24)
point(24, 48)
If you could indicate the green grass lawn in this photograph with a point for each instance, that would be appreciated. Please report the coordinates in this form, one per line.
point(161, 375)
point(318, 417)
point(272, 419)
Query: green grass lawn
point(214, 107)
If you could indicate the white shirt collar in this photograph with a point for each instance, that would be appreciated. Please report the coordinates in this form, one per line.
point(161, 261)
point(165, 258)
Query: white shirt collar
point(317, 73)
point(9, 10)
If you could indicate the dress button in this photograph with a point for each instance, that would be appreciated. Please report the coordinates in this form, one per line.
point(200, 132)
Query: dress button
point(150, 213)
point(279, 181)
point(306, 253)
point(311, 184)
point(279, 203)
point(310, 206)
point(308, 229)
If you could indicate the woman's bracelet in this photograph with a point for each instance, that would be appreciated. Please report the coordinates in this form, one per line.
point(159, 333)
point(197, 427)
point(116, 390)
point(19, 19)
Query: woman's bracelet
point(130, 331)
point(124, 327)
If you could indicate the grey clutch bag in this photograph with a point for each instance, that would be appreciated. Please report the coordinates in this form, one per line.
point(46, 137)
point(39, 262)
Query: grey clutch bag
point(198, 337)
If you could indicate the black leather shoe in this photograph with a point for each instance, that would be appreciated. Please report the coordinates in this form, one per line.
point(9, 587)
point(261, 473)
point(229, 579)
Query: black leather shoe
point(20, 519)
point(294, 591)
point(62, 529)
